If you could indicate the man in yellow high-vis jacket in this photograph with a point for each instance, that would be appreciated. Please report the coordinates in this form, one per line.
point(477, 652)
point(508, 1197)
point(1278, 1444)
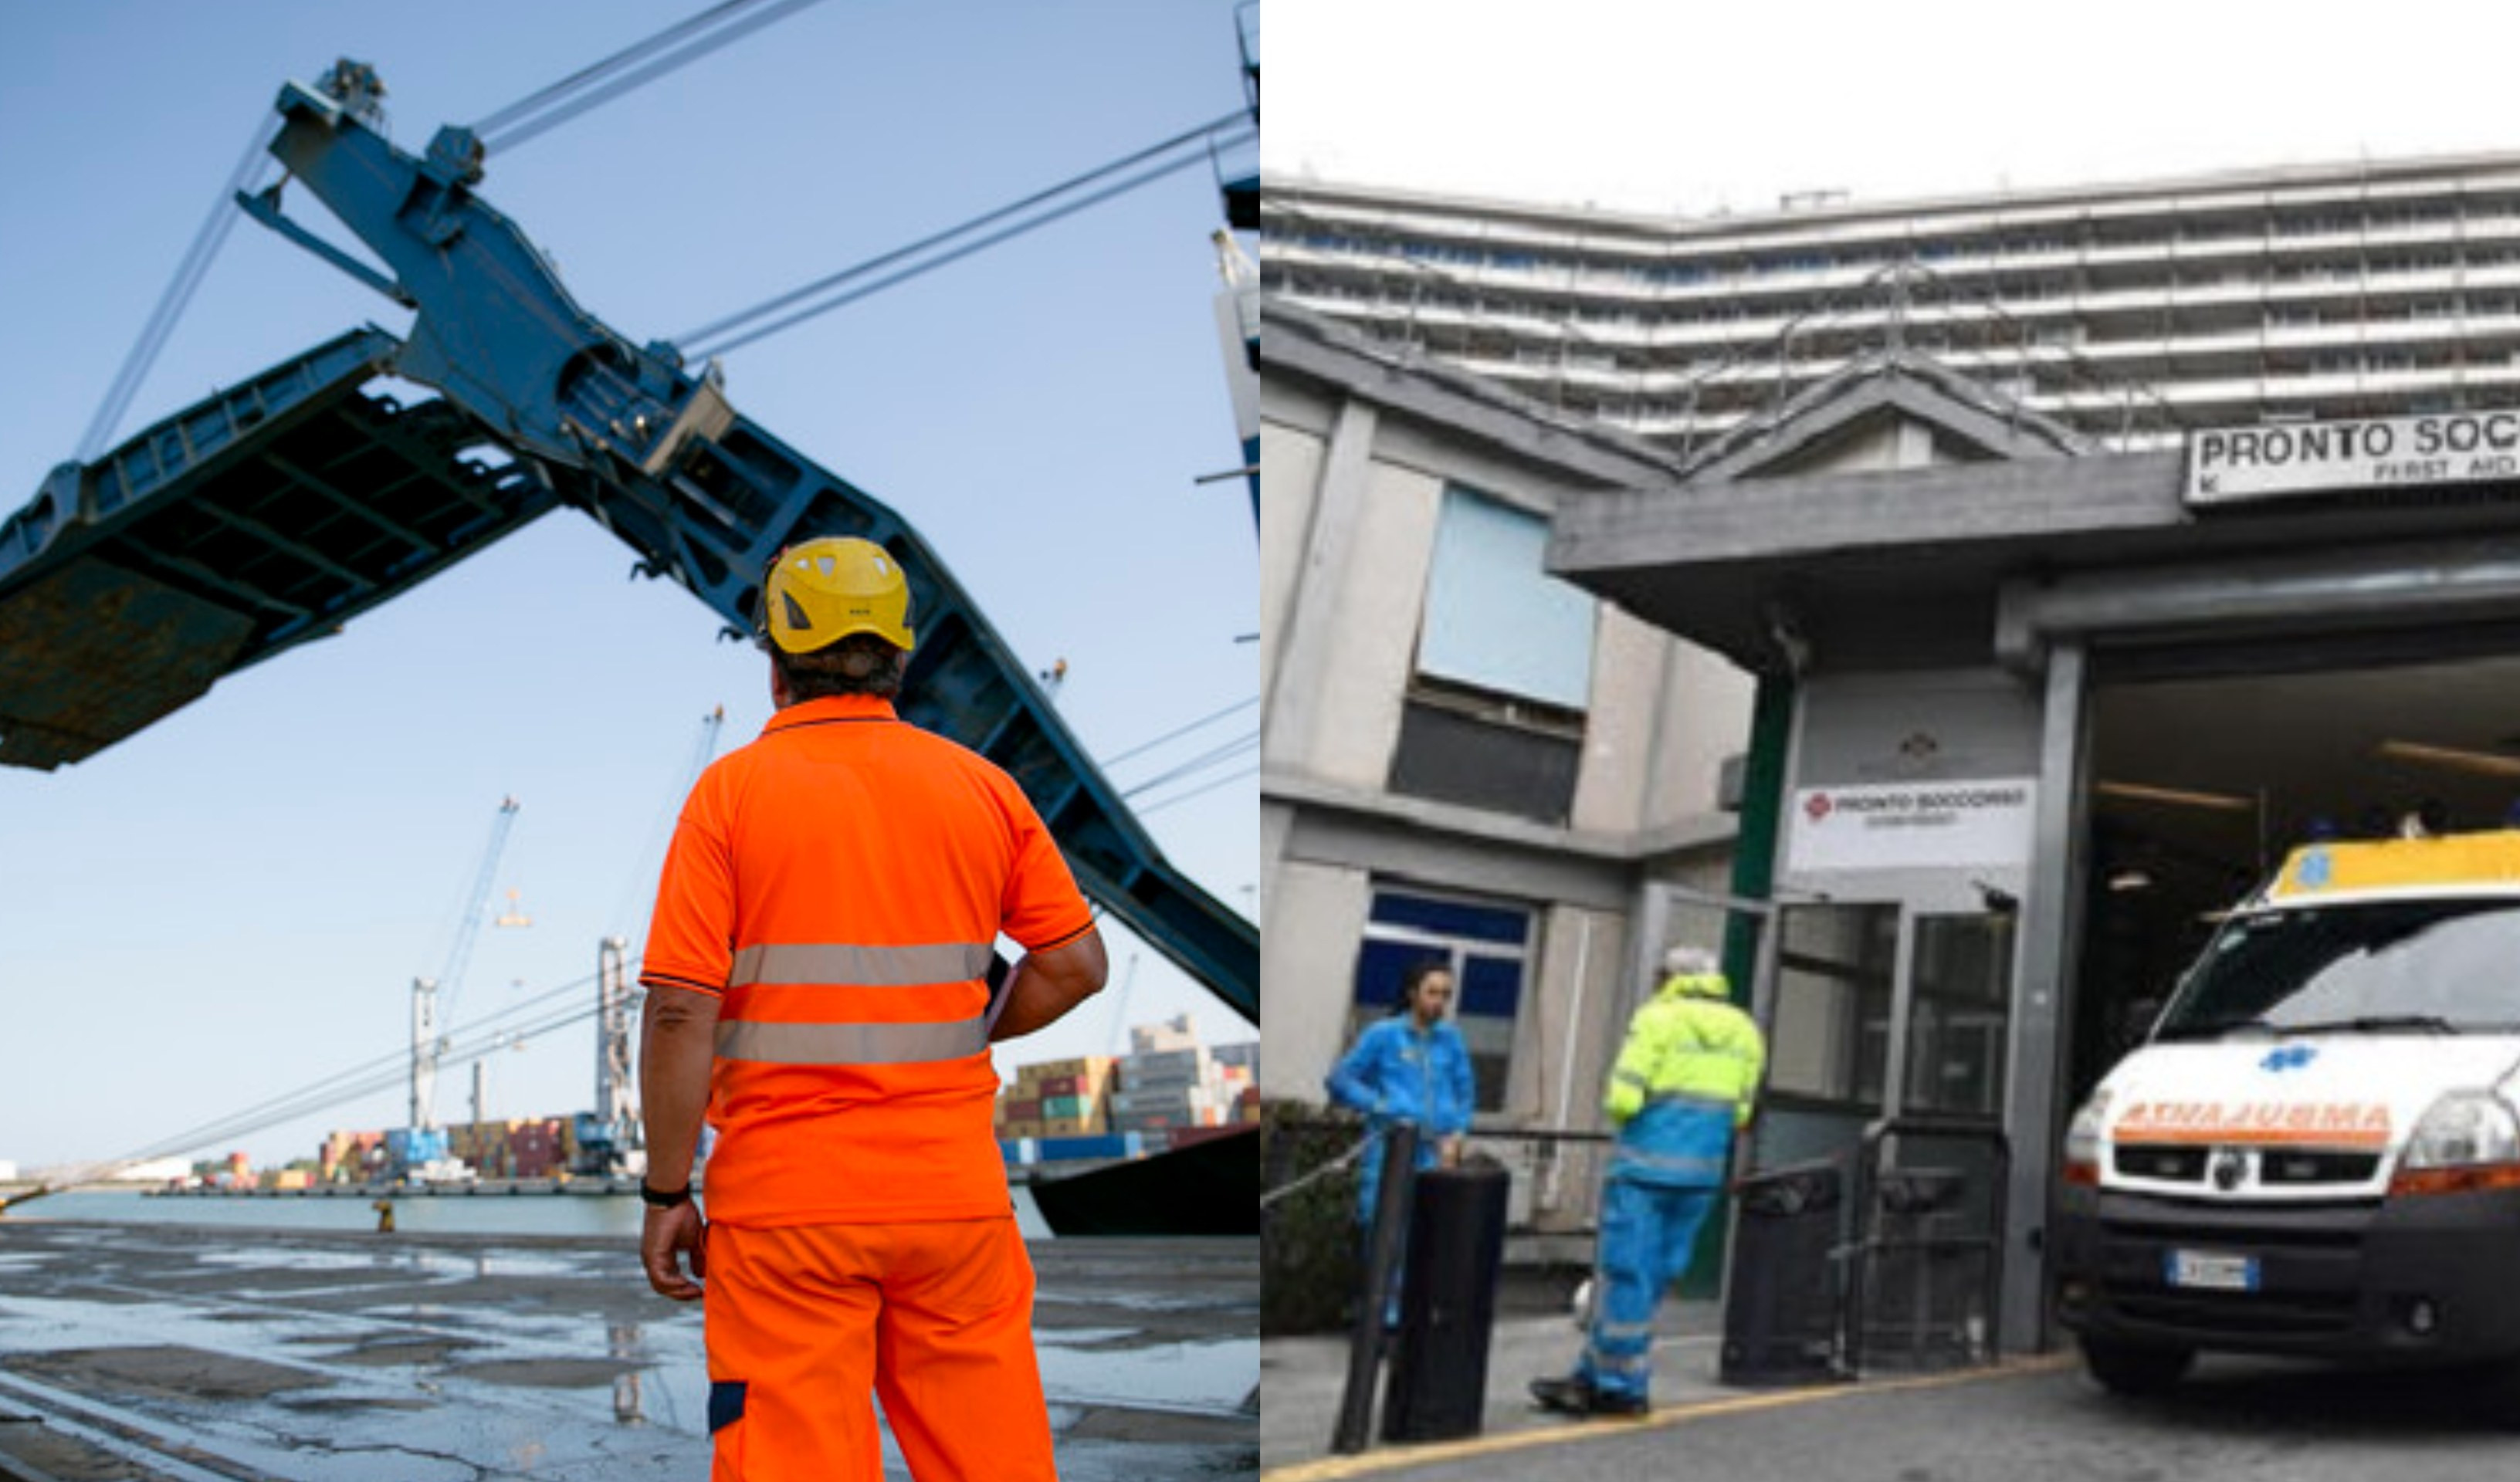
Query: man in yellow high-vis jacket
point(1684, 1081)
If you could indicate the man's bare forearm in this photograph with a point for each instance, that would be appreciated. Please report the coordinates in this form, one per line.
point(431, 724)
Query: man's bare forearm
point(1045, 985)
point(678, 1047)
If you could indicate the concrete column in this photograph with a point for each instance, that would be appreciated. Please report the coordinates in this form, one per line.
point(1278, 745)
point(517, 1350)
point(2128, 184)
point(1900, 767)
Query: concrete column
point(1303, 652)
point(2048, 917)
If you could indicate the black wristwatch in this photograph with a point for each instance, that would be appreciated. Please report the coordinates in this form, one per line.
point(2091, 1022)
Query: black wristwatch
point(659, 1198)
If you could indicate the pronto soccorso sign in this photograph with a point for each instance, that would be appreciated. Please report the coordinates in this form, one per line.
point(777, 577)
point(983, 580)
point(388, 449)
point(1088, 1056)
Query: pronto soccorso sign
point(1910, 825)
point(2273, 460)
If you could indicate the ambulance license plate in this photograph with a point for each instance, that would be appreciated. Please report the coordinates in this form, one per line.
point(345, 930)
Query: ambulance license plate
point(2201, 1270)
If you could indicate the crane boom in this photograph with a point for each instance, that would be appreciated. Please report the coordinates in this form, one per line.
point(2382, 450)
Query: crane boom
point(428, 1009)
point(130, 585)
point(658, 457)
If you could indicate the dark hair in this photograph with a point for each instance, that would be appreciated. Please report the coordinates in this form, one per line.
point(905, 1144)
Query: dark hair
point(860, 663)
point(1415, 974)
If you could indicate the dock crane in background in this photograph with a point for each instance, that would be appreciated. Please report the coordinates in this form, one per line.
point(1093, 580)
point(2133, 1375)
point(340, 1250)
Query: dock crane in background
point(270, 514)
point(427, 1043)
point(608, 1136)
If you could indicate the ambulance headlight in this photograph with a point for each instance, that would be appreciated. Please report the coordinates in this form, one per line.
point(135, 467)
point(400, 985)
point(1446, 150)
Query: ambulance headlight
point(2462, 1130)
point(2082, 1162)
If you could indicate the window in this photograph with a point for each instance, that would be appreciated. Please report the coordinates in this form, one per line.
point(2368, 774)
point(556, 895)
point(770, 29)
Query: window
point(1831, 1039)
point(1960, 980)
point(1487, 945)
point(1495, 620)
point(1494, 717)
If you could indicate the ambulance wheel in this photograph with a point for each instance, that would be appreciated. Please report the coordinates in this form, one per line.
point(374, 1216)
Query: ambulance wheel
point(2135, 1368)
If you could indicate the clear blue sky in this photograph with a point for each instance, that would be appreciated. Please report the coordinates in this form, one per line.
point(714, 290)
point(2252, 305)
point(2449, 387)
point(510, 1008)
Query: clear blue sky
point(234, 902)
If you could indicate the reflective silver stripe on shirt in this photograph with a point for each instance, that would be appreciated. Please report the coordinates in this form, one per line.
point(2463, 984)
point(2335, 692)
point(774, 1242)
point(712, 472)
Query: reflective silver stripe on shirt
point(868, 966)
point(850, 1044)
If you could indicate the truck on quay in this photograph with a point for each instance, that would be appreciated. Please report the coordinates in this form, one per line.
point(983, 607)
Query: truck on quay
point(2316, 1151)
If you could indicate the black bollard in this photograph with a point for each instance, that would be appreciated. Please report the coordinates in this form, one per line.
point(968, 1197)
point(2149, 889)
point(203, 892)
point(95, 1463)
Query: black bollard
point(1439, 1383)
point(1383, 1252)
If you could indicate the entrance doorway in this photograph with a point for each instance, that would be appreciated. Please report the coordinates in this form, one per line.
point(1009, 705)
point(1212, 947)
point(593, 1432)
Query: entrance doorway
point(1875, 1010)
point(2205, 769)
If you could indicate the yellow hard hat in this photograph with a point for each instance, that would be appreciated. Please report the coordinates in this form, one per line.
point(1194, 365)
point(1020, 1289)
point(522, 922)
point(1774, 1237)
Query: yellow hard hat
point(818, 592)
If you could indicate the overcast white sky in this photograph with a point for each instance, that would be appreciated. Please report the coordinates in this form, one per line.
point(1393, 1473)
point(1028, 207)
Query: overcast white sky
point(1654, 107)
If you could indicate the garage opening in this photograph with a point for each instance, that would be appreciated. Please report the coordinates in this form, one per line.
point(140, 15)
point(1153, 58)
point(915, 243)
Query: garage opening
point(2200, 781)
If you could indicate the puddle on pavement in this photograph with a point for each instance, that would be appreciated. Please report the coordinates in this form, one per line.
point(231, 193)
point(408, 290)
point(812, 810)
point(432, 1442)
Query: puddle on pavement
point(1212, 1376)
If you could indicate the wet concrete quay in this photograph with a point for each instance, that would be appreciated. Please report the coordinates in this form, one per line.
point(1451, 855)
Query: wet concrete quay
point(157, 1352)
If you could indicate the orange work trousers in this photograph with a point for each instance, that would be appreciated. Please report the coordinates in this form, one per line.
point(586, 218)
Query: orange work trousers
point(807, 1322)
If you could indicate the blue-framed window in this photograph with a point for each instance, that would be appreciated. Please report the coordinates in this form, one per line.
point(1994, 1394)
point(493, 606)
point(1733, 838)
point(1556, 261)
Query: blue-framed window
point(1488, 945)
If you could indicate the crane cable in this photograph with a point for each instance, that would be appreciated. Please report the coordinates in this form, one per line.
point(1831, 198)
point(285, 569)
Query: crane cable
point(505, 129)
point(721, 336)
point(189, 273)
point(599, 83)
point(381, 1073)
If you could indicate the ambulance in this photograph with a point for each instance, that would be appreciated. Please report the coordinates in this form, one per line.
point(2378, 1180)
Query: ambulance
point(2316, 1151)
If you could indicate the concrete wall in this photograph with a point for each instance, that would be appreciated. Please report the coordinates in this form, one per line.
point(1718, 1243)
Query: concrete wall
point(1352, 495)
point(1307, 974)
point(1292, 458)
point(1927, 729)
point(1704, 718)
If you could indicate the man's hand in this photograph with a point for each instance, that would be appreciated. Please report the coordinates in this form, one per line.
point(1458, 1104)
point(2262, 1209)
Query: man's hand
point(667, 1233)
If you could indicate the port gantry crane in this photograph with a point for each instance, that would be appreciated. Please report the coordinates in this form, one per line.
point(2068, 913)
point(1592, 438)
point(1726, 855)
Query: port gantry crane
point(430, 997)
point(270, 514)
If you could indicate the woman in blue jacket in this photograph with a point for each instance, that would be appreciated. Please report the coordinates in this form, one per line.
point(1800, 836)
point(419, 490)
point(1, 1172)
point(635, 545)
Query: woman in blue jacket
point(1411, 1067)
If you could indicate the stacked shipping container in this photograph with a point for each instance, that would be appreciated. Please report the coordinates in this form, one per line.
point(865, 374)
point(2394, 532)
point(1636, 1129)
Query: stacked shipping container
point(1056, 1099)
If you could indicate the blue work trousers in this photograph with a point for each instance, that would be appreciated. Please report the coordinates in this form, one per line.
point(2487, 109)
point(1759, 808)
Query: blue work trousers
point(1648, 1231)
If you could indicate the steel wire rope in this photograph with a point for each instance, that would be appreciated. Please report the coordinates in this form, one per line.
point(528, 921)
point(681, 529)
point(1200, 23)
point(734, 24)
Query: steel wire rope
point(242, 1125)
point(555, 93)
point(1297, 1184)
point(1201, 762)
point(885, 259)
point(310, 1100)
point(189, 273)
point(1161, 803)
point(394, 1063)
point(734, 30)
point(1177, 732)
point(929, 265)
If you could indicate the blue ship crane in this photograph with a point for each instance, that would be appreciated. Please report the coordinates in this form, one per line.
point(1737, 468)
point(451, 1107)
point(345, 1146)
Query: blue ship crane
point(270, 514)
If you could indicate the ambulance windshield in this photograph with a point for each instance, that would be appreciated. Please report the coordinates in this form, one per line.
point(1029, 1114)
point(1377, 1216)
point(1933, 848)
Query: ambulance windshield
point(2438, 966)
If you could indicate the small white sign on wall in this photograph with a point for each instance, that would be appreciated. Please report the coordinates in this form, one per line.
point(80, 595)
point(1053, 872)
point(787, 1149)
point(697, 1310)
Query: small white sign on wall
point(1903, 826)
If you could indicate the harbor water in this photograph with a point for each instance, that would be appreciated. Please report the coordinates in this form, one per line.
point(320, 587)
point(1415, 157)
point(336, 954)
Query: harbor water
point(590, 1215)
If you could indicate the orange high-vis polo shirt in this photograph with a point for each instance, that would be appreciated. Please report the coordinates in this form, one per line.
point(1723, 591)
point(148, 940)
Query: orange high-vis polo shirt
point(840, 883)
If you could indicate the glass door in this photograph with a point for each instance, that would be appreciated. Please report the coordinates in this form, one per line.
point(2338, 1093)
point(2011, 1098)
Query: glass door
point(1826, 1005)
point(1958, 1015)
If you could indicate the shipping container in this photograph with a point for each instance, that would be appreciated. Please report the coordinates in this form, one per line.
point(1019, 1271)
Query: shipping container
point(1097, 1065)
point(1105, 1146)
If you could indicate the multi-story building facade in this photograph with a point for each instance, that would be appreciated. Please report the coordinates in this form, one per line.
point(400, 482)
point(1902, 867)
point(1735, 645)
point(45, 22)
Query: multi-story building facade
point(1464, 758)
point(2128, 312)
point(1561, 513)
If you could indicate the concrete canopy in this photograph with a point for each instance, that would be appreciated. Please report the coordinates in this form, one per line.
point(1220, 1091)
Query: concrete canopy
point(1896, 518)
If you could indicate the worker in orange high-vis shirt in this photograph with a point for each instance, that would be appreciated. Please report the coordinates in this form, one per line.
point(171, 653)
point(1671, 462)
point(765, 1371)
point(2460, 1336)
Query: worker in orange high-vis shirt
point(819, 975)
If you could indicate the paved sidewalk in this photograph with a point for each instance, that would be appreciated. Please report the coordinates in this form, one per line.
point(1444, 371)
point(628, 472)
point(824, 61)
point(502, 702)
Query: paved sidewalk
point(1303, 1380)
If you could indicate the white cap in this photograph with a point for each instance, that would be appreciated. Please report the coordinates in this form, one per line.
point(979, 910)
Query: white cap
point(1686, 961)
